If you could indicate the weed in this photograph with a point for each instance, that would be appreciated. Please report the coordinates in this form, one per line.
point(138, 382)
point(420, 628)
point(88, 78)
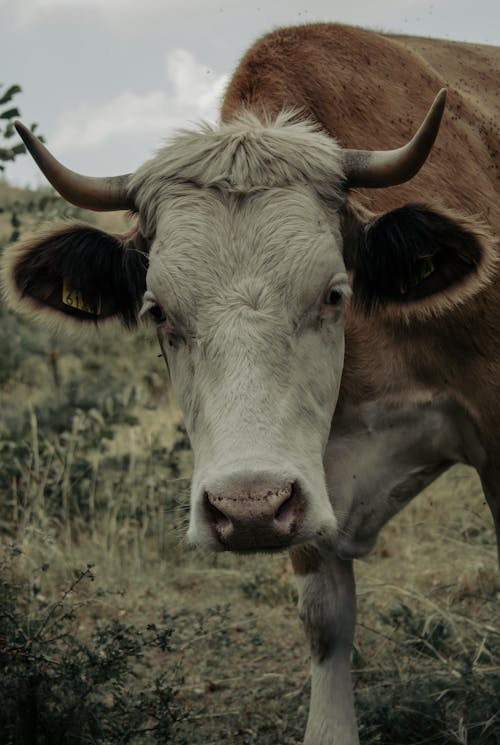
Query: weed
point(437, 686)
point(58, 688)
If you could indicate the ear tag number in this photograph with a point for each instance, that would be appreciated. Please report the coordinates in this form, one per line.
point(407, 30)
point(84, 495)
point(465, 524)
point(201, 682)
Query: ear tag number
point(74, 299)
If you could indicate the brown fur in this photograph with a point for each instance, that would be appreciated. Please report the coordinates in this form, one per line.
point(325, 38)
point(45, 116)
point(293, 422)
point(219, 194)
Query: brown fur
point(371, 91)
point(355, 97)
point(305, 560)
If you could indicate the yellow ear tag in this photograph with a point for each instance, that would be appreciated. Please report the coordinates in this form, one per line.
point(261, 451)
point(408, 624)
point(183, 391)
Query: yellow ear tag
point(74, 299)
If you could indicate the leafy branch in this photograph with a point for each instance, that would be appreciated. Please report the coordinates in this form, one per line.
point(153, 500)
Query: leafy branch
point(8, 114)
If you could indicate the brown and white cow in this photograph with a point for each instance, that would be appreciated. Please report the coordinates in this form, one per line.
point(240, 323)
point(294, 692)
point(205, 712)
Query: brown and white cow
point(256, 261)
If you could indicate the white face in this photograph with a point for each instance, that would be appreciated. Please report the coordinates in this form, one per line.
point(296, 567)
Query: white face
point(251, 290)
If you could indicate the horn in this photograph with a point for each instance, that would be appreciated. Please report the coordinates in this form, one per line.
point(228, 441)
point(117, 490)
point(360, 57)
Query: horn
point(98, 194)
point(379, 168)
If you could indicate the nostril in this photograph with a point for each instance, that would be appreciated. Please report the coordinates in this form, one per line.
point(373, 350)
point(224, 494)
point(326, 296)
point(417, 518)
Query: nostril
point(284, 509)
point(215, 515)
point(288, 509)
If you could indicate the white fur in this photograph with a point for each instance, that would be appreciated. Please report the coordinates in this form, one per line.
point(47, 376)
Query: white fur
point(327, 605)
point(244, 155)
point(246, 241)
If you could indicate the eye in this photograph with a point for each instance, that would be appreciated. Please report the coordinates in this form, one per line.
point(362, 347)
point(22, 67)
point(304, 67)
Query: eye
point(334, 297)
point(157, 314)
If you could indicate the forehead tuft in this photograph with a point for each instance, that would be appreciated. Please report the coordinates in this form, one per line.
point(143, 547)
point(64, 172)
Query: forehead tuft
point(245, 155)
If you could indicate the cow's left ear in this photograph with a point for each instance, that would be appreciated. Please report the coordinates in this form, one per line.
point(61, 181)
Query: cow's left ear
point(416, 260)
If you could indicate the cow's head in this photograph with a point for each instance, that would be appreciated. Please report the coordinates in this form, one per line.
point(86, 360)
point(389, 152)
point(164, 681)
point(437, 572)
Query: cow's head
point(238, 258)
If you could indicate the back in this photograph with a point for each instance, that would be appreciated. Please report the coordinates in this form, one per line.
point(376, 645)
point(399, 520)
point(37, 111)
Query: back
point(371, 92)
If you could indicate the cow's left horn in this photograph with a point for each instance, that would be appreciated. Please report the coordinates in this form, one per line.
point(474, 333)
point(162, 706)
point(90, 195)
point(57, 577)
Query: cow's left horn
point(377, 168)
point(98, 194)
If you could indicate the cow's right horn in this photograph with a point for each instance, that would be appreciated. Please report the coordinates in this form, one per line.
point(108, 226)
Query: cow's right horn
point(378, 168)
point(101, 194)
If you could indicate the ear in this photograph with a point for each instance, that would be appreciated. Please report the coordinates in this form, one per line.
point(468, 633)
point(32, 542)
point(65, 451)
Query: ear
point(77, 272)
point(417, 260)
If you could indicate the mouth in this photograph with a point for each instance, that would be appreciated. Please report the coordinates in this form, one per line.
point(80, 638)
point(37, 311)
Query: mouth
point(323, 539)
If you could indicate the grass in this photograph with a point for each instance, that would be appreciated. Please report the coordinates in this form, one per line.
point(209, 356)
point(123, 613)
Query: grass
point(95, 470)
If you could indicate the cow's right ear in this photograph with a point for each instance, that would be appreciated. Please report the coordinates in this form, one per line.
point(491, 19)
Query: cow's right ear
point(77, 273)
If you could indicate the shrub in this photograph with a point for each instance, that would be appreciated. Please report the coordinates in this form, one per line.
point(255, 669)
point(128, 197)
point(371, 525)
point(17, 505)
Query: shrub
point(57, 688)
point(439, 686)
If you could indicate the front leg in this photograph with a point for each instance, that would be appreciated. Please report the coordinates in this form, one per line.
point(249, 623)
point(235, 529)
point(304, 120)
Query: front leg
point(327, 606)
point(490, 478)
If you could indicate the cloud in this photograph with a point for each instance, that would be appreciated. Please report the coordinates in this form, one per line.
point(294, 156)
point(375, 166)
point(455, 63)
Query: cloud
point(131, 12)
point(135, 15)
point(194, 93)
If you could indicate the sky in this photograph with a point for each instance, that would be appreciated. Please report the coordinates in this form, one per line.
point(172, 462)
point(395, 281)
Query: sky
point(108, 81)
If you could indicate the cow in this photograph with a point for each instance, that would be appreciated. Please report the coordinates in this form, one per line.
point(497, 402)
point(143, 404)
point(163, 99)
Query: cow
point(332, 341)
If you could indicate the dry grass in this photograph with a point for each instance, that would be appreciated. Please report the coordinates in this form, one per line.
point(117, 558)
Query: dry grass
point(428, 608)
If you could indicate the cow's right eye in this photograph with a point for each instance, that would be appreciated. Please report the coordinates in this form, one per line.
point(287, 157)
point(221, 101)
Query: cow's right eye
point(157, 314)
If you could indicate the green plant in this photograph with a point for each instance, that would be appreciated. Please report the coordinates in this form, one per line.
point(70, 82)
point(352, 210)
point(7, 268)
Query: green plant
point(439, 685)
point(21, 211)
point(58, 688)
point(9, 151)
point(50, 472)
point(8, 113)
